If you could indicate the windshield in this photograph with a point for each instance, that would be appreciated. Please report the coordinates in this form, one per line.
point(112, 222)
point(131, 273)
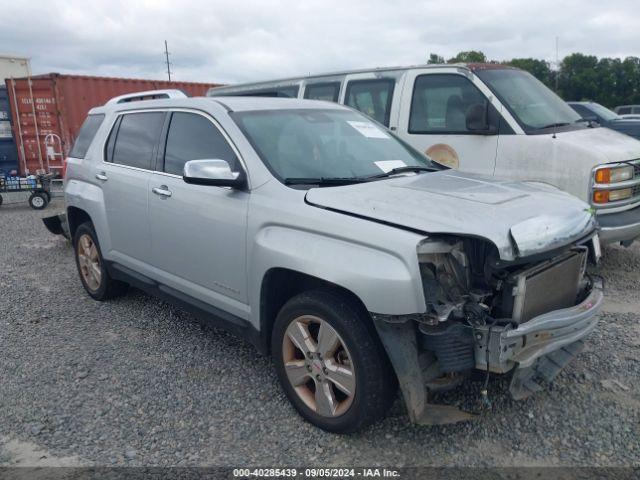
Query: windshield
point(603, 112)
point(325, 144)
point(534, 105)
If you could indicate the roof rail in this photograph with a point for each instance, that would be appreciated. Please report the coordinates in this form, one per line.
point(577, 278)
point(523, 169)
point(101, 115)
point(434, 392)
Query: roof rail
point(148, 95)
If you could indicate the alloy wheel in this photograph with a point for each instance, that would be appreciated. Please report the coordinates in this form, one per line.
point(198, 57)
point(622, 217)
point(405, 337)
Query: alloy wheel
point(319, 366)
point(89, 261)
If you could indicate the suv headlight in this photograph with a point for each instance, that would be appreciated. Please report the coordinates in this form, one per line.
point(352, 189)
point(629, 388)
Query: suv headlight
point(614, 174)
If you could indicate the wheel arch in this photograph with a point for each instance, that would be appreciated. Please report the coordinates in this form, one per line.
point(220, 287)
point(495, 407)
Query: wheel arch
point(281, 284)
point(76, 217)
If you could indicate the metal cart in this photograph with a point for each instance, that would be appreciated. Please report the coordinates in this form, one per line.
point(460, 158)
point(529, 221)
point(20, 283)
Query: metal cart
point(38, 185)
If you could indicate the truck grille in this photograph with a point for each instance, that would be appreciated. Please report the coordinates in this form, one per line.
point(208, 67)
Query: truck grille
point(636, 176)
point(549, 286)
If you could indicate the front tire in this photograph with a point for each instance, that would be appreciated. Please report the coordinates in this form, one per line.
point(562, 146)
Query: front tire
point(91, 266)
point(330, 363)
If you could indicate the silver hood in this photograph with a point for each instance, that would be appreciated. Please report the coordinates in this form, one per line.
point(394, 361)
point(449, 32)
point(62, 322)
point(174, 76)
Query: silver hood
point(520, 218)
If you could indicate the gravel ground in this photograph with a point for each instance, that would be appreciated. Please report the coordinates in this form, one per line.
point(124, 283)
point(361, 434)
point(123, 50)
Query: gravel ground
point(137, 382)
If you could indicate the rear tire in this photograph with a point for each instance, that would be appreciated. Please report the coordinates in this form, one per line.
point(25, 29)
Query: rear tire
point(92, 269)
point(344, 359)
point(1, 199)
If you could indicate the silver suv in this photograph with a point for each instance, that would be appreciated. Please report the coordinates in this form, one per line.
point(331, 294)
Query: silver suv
point(327, 242)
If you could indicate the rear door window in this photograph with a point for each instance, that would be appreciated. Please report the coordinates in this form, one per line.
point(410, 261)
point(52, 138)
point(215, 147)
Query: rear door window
point(371, 97)
point(327, 91)
point(134, 139)
point(441, 102)
point(85, 136)
point(194, 137)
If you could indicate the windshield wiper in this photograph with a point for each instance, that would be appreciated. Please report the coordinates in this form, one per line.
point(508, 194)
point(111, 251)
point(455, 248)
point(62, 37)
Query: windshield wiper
point(321, 181)
point(408, 168)
point(328, 181)
point(551, 125)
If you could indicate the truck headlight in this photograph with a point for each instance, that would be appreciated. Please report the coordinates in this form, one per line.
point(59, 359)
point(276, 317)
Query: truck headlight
point(614, 174)
point(606, 196)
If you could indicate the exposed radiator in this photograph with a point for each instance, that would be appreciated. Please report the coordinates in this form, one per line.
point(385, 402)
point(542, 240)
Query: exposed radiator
point(548, 286)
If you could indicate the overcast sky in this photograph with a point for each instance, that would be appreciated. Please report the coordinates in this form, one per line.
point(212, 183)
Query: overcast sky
point(232, 41)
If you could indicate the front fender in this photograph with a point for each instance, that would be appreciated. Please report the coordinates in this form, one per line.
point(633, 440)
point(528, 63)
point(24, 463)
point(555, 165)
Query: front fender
point(384, 282)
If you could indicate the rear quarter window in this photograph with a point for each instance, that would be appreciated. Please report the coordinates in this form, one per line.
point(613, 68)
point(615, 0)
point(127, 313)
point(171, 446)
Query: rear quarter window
point(86, 135)
point(276, 92)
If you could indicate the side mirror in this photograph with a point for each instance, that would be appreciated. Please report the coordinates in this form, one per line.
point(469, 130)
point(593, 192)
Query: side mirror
point(477, 120)
point(214, 172)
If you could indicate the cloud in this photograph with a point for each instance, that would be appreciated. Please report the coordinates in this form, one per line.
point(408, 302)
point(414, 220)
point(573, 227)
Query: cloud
point(234, 41)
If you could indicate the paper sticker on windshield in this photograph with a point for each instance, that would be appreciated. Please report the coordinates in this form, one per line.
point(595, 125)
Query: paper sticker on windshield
point(388, 165)
point(368, 129)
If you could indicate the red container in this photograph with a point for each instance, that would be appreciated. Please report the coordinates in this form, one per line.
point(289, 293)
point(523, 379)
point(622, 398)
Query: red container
point(49, 110)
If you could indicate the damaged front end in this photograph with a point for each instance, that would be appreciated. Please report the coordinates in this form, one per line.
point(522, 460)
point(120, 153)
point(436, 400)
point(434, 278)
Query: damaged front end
point(525, 317)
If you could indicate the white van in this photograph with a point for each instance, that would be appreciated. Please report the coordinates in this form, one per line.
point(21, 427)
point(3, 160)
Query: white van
point(492, 120)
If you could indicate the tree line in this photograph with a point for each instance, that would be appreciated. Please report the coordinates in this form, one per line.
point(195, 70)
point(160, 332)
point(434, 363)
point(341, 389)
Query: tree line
point(608, 81)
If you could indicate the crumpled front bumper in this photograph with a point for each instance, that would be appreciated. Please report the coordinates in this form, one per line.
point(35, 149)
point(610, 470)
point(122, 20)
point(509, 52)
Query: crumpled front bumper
point(539, 348)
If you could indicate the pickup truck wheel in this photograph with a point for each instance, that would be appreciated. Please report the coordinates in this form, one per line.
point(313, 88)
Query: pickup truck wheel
point(91, 266)
point(330, 364)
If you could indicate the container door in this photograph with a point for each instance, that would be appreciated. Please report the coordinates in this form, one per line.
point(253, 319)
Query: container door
point(36, 125)
point(198, 232)
point(124, 179)
point(440, 112)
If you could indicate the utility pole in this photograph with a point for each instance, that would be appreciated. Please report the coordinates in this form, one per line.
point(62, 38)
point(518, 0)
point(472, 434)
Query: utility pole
point(557, 64)
point(166, 54)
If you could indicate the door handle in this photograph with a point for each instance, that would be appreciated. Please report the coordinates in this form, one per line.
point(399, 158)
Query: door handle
point(163, 191)
point(102, 176)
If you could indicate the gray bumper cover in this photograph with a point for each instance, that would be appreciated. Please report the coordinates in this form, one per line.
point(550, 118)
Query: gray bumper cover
point(540, 348)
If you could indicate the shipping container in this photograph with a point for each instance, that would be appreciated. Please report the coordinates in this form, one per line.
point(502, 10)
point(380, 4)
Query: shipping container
point(48, 110)
point(8, 152)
